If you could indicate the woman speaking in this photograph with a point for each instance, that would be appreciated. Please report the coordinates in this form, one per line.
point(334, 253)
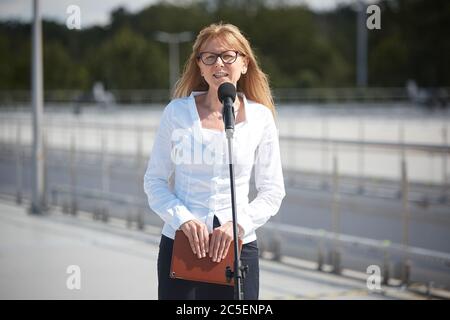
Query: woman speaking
point(187, 179)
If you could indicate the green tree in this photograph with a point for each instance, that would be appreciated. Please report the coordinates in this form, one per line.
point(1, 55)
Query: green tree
point(128, 61)
point(60, 71)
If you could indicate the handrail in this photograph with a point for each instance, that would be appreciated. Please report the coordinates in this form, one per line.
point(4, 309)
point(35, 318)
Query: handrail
point(371, 143)
point(382, 245)
point(422, 147)
point(280, 228)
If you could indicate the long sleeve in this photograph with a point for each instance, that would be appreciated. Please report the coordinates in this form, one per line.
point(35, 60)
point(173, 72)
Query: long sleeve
point(156, 179)
point(268, 180)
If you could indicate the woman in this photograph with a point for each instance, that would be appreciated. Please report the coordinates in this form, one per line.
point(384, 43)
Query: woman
point(187, 179)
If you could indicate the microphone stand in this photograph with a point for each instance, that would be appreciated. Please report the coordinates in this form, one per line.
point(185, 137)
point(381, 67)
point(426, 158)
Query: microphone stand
point(239, 270)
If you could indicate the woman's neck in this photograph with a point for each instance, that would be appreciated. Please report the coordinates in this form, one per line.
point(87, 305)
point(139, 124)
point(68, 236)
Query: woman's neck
point(213, 103)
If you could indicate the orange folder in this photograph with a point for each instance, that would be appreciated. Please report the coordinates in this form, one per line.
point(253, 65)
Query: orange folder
point(185, 265)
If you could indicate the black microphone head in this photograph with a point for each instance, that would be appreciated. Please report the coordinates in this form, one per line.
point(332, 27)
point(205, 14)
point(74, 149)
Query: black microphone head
point(226, 90)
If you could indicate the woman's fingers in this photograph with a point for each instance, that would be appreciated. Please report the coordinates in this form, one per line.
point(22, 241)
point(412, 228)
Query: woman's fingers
point(198, 236)
point(223, 250)
point(222, 246)
point(196, 240)
point(187, 229)
point(217, 242)
point(219, 245)
point(226, 248)
point(206, 240)
point(194, 231)
point(201, 238)
point(191, 241)
point(212, 243)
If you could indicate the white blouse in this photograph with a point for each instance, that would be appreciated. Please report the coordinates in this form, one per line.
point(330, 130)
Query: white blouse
point(188, 173)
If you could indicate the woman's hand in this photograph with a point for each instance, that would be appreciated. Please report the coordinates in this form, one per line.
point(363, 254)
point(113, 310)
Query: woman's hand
point(221, 240)
point(198, 235)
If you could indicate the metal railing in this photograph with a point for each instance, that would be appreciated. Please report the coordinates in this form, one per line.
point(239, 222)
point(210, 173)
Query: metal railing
point(330, 147)
point(273, 236)
point(283, 95)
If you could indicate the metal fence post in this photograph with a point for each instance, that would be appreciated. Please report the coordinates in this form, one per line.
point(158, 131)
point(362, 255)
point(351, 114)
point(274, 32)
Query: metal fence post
point(361, 134)
point(19, 164)
point(73, 181)
point(386, 264)
point(429, 291)
point(325, 146)
point(406, 266)
point(320, 250)
point(290, 181)
point(445, 184)
point(401, 142)
point(139, 178)
point(104, 213)
point(45, 159)
point(139, 147)
point(336, 256)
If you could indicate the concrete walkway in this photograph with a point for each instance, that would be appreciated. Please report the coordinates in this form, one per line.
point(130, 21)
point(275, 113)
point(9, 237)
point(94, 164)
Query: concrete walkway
point(119, 263)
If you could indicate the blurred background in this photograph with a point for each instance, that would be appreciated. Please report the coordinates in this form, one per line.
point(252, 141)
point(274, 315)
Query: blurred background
point(362, 95)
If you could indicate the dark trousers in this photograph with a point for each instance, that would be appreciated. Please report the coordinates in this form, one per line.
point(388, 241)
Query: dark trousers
point(177, 289)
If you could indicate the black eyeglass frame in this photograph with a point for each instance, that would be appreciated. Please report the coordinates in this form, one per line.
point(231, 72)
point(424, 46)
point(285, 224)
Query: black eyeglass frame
point(199, 57)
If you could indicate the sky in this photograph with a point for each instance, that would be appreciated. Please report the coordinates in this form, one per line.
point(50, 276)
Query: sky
point(94, 12)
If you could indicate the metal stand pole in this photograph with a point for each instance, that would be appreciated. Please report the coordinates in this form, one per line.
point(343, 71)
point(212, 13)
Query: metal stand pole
point(239, 270)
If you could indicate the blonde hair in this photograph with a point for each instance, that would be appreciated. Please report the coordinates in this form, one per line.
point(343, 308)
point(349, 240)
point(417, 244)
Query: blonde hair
point(254, 83)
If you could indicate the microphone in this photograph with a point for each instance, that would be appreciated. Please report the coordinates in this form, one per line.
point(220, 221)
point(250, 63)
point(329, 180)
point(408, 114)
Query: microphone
point(227, 95)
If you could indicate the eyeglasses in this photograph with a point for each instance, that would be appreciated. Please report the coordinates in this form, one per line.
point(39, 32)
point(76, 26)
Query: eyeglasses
point(209, 58)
